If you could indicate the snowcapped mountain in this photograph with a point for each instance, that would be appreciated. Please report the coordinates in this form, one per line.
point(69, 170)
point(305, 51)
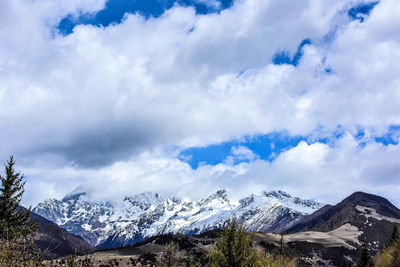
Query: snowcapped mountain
point(109, 225)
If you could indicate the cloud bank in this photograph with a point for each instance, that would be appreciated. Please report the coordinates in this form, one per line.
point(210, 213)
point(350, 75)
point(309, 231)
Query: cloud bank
point(115, 105)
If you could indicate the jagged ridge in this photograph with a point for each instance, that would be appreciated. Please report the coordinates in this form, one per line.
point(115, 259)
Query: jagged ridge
point(108, 225)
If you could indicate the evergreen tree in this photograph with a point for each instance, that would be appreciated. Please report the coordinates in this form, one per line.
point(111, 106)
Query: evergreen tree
point(234, 248)
point(395, 235)
point(365, 258)
point(281, 245)
point(170, 256)
point(14, 220)
point(191, 261)
point(16, 229)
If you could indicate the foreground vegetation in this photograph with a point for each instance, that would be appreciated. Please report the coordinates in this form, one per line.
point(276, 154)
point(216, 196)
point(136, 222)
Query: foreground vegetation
point(16, 228)
point(391, 255)
point(236, 249)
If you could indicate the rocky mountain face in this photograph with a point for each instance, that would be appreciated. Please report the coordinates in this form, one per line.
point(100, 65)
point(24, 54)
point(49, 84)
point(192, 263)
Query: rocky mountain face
point(56, 242)
point(359, 209)
point(365, 218)
point(109, 225)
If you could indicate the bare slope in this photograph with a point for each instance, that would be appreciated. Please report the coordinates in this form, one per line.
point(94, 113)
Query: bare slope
point(56, 242)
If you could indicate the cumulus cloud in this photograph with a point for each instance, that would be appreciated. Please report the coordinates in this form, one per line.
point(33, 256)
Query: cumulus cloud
point(74, 107)
point(243, 153)
point(327, 173)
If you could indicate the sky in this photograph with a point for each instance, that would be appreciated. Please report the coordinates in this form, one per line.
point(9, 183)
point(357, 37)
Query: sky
point(186, 97)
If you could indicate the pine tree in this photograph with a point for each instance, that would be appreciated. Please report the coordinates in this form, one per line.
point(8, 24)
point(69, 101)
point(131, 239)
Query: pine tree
point(16, 229)
point(365, 258)
point(395, 235)
point(281, 245)
point(170, 257)
point(14, 220)
point(191, 261)
point(234, 248)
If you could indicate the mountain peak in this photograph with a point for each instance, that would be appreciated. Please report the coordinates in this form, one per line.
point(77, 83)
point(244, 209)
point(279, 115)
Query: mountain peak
point(74, 195)
point(146, 195)
point(145, 200)
point(362, 196)
point(277, 194)
point(220, 194)
point(349, 210)
point(380, 204)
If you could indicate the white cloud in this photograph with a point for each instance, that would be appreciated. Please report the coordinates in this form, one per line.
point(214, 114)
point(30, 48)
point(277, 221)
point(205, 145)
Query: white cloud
point(210, 3)
point(243, 153)
point(75, 106)
point(327, 173)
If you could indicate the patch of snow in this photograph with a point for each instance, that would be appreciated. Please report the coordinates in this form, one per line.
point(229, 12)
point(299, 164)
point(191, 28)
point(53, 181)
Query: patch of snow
point(149, 214)
point(316, 260)
point(372, 213)
point(87, 227)
point(339, 237)
point(349, 259)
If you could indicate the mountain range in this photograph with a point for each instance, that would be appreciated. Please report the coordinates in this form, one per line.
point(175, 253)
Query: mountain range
point(144, 224)
point(110, 225)
point(331, 236)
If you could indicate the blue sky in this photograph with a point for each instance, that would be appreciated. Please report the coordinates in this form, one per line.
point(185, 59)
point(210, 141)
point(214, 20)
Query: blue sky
point(115, 10)
point(360, 11)
point(190, 96)
point(283, 57)
point(268, 147)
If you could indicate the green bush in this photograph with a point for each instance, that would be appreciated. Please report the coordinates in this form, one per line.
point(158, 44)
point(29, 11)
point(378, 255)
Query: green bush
point(235, 249)
point(391, 255)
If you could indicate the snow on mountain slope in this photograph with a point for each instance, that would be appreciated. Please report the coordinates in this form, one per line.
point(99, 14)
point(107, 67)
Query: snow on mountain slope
point(140, 216)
